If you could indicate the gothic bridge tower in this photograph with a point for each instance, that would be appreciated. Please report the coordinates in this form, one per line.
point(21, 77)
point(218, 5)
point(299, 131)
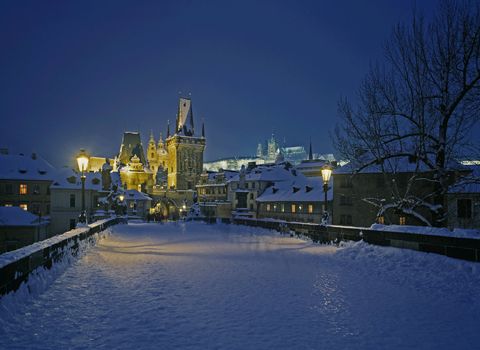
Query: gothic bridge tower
point(185, 150)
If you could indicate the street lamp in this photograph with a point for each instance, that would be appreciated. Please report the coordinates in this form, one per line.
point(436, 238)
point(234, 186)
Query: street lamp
point(82, 161)
point(326, 173)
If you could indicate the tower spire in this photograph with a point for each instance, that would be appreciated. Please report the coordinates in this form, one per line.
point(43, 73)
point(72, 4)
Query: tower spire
point(168, 129)
point(203, 128)
point(310, 153)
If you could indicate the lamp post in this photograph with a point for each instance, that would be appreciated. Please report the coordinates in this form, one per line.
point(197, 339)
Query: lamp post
point(82, 161)
point(326, 173)
point(121, 197)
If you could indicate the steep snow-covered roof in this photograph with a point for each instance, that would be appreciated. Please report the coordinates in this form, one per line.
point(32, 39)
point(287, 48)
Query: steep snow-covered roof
point(227, 173)
point(269, 173)
point(25, 167)
point(311, 164)
point(16, 216)
point(298, 190)
point(69, 179)
point(136, 195)
point(392, 165)
point(469, 183)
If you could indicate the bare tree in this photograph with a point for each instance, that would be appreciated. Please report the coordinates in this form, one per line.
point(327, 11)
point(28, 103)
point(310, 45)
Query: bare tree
point(421, 104)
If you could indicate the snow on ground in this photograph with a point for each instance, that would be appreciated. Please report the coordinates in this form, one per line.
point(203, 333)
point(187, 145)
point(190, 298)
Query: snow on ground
point(427, 230)
point(198, 286)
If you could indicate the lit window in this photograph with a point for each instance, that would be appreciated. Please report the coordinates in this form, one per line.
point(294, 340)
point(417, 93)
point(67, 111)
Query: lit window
point(7, 205)
point(403, 220)
point(23, 206)
point(294, 208)
point(283, 208)
point(310, 208)
point(300, 207)
point(274, 207)
point(23, 188)
point(268, 207)
point(381, 220)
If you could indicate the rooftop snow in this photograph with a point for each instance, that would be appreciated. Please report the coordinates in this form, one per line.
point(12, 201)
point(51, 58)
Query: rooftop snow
point(298, 190)
point(16, 216)
point(69, 179)
point(23, 167)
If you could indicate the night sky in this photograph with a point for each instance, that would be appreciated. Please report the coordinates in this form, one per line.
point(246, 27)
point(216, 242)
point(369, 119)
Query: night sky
point(78, 74)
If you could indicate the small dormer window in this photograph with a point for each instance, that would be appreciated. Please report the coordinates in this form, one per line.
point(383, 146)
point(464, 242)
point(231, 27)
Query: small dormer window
point(42, 172)
point(308, 189)
point(22, 171)
point(72, 179)
point(295, 189)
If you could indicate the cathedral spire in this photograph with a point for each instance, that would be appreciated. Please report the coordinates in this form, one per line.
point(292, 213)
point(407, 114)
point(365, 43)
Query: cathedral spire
point(152, 140)
point(203, 129)
point(168, 129)
point(310, 153)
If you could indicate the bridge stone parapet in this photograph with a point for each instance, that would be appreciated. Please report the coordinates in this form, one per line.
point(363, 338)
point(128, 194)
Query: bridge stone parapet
point(16, 266)
point(455, 247)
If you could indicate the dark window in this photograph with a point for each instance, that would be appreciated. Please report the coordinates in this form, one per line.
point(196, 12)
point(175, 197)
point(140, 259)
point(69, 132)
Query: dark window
point(72, 224)
point(48, 209)
point(464, 208)
point(251, 195)
point(345, 200)
point(8, 188)
point(35, 208)
point(345, 220)
point(346, 182)
point(72, 200)
point(380, 181)
point(36, 189)
point(242, 200)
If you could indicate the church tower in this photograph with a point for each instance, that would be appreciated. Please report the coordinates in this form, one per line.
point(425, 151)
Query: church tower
point(152, 154)
point(185, 150)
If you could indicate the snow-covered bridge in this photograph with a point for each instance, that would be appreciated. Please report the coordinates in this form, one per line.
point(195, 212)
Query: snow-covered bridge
point(198, 286)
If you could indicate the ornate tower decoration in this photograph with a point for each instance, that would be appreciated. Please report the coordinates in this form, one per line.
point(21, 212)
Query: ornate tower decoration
point(131, 146)
point(152, 154)
point(185, 150)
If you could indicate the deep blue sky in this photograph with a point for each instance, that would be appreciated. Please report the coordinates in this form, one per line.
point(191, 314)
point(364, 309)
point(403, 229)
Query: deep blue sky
point(77, 74)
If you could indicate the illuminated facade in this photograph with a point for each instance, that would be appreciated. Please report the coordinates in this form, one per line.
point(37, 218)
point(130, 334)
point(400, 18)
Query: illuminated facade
point(179, 159)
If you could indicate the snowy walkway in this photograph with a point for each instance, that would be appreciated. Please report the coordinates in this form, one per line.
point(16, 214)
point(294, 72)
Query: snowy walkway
point(198, 286)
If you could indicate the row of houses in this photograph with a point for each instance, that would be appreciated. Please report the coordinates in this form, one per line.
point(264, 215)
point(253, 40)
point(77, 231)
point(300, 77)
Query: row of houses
point(281, 191)
point(38, 201)
point(45, 201)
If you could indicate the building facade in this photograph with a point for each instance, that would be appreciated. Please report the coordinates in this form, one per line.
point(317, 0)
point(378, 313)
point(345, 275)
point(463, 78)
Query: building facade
point(25, 182)
point(301, 200)
point(179, 158)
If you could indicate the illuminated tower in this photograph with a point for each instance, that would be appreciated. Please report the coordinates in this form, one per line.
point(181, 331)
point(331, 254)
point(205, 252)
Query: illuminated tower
point(185, 150)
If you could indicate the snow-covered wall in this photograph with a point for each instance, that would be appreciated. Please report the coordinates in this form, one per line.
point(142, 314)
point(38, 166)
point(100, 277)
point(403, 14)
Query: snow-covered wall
point(17, 265)
point(455, 247)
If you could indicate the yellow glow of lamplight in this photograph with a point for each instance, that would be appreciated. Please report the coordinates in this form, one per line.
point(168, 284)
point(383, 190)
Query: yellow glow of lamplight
point(326, 173)
point(82, 160)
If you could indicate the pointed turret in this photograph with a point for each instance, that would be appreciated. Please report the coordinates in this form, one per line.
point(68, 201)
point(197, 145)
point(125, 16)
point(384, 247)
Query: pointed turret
point(168, 129)
point(203, 129)
point(185, 125)
point(310, 153)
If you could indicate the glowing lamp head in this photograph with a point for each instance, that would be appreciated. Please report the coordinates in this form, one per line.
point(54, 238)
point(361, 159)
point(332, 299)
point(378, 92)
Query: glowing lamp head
point(184, 206)
point(326, 173)
point(82, 160)
point(121, 197)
